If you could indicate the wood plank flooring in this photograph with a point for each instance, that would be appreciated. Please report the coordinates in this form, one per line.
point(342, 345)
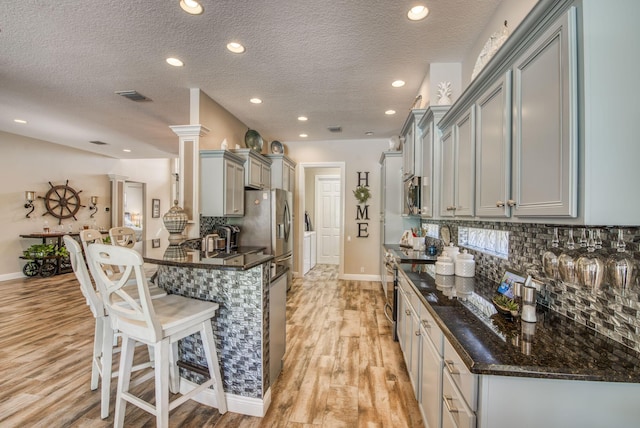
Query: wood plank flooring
point(342, 368)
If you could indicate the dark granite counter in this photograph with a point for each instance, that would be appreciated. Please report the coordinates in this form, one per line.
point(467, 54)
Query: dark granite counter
point(184, 255)
point(555, 347)
point(409, 255)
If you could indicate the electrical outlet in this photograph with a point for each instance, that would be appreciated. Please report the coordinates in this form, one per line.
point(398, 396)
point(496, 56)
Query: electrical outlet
point(362, 269)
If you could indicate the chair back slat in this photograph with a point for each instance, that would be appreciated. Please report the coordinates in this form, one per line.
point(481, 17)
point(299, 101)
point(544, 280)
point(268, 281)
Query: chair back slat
point(82, 274)
point(122, 236)
point(135, 316)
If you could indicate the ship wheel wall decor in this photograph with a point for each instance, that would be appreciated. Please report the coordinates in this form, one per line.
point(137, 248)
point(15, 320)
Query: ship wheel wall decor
point(62, 201)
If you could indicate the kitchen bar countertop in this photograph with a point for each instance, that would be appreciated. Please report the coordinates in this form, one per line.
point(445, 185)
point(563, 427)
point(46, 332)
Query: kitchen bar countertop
point(184, 255)
point(555, 347)
point(409, 255)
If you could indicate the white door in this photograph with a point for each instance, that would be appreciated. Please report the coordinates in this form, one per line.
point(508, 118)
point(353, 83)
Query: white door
point(328, 218)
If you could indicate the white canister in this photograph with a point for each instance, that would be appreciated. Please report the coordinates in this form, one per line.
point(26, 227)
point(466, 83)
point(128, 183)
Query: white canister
point(465, 266)
point(444, 266)
point(451, 251)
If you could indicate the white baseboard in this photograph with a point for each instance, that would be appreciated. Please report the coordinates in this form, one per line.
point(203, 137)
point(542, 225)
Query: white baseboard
point(359, 277)
point(235, 403)
point(14, 275)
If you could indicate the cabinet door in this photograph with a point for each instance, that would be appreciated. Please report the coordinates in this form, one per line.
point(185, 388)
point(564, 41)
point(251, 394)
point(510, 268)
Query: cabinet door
point(306, 254)
point(266, 177)
point(545, 141)
point(447, 171)
point(408, 153)
point(416, 350)
point(427, 172)
point(430, 384)
point(493, 150)
point(254, 174)
point(237, 192)
point(464, 183)
point(401, 321)
point(292, 178)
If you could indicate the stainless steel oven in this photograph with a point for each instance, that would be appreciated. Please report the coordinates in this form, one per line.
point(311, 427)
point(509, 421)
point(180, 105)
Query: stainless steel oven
point(391, 291)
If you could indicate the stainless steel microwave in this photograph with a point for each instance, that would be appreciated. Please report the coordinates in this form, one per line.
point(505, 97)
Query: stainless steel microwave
point(412, 196)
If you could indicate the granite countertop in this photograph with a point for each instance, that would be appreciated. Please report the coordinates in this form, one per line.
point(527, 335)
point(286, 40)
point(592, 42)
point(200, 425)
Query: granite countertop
point(554, 347)
point(409, 255)
point(183, 255)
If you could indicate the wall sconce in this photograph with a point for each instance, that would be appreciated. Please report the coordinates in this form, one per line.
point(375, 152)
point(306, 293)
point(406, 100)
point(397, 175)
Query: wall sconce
point(29, 196)
point(92, 206)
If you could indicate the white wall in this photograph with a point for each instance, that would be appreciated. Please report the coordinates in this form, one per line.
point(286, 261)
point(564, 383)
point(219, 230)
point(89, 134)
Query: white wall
point(358, 155)
point(29, 164)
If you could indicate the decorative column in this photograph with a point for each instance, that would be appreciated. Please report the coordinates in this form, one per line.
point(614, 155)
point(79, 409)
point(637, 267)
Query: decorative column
point(117, 199)
point(188, 195)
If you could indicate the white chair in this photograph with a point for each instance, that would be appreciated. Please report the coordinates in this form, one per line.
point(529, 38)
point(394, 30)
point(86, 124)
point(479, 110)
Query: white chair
point(159, 323)
point(122, 236)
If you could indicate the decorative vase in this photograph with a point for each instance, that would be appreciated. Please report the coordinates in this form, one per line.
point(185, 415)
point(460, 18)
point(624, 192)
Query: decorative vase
point(175, 221)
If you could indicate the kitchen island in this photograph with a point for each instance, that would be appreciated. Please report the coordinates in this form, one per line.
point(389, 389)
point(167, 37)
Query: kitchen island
point(485, 370)
point(240, 283)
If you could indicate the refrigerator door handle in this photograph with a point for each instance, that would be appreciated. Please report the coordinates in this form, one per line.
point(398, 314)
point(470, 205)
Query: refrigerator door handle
point(287, 220)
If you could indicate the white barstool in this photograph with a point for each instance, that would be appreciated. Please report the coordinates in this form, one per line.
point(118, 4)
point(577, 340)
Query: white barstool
point(122, 236)
point(104, 336)
point(159, 323)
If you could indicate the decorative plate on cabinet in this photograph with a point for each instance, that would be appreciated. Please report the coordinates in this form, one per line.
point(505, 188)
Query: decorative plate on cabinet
point(277, 147)
point(253, 140)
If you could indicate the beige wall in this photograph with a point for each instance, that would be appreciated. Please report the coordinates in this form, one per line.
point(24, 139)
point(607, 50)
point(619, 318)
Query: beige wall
point(512, 11)
point(220, 122)
point(28, 164)
point(357, 155)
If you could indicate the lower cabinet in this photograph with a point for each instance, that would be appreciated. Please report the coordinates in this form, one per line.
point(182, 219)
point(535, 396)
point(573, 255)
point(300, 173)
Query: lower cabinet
point(308, 252)
point(277, 326)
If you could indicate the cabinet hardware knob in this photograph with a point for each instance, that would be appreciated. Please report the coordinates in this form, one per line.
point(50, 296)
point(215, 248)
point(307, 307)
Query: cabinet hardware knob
point(417, 332)
point(448, 403)
point(511, 203)
point(407, 312)
point(499, 204)
point(426, 324)
point(450, 367)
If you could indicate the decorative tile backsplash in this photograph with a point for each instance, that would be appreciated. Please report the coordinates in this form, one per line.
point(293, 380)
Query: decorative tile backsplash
point(612, 312)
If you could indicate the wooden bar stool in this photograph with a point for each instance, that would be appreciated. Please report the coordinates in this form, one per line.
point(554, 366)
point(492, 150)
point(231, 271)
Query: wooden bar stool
point(159, 323)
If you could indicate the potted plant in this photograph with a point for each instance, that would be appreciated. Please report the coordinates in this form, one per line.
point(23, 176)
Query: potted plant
point(39, 251)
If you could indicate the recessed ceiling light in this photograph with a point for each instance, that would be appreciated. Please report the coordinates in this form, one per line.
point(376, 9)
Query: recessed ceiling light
point(255, 100)
point(175, 62)
point(235, 47)
point(303, 135)
point(416, 13)
point(390, 112)
point(397, 83)
point(369, 133)
point(126, 150)
point(303, 118)
point(191, 7)
point(20, 121)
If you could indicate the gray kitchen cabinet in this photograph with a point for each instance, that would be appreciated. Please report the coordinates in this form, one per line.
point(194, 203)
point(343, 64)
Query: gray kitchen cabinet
point(221, 184)
point(545, 143)
point(257, 169)
point(411, 135)
point(493, 150)
point(429, 150)
point(283, 172)
point(457, 166)
point(431, 370)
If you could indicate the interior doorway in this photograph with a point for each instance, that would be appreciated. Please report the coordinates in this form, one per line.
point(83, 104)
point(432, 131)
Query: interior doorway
point(310, 209)
point(133, 209)
point(327, 215)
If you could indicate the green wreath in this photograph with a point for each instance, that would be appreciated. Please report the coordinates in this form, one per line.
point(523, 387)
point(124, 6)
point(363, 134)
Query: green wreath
point(362, 194)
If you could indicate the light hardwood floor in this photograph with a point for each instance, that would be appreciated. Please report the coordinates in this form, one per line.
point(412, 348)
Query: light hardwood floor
point(341, 369)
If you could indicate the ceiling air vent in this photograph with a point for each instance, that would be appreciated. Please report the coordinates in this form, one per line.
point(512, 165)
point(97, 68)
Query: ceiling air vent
point(98, 143)
point(334, 128)
point(133, 95)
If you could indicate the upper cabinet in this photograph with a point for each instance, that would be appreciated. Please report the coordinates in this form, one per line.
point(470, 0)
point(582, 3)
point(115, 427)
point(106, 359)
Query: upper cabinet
point(411, 145)
point(493, 150)
point(545, 141)
point(283, 172)
point(429, 150)
point(221, 184)
point(257, 169)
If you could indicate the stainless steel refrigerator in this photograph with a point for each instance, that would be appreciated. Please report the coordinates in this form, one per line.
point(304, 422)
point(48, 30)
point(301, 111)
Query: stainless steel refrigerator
point(267, 222)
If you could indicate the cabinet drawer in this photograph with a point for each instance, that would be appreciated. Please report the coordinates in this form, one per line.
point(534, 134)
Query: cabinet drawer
point(464, 380)
point(455, 412)
point(429, 326)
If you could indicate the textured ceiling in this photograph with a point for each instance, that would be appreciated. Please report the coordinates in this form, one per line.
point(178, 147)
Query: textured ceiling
point(332, 60)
